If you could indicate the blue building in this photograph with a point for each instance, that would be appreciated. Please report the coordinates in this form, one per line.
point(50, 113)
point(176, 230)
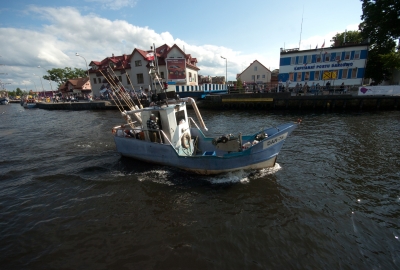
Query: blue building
point(340, 64)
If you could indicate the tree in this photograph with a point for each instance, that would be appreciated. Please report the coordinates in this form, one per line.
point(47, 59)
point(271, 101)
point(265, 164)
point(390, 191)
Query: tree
point(62, 75)
point(380, 25)
point(381, 21)
point(351, 36)
point(239, 83)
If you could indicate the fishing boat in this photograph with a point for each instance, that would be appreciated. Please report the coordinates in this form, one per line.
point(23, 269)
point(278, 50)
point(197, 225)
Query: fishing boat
point(4, 100)
point(163, 133)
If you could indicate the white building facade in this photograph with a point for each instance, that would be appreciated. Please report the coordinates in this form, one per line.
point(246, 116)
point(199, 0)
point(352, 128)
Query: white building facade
point(341, 64)
point(255, 73)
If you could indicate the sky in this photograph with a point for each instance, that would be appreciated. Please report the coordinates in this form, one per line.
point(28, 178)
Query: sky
point(49, 33)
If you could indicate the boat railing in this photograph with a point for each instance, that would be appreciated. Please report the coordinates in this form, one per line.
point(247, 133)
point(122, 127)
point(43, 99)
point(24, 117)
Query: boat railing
point(191, 121)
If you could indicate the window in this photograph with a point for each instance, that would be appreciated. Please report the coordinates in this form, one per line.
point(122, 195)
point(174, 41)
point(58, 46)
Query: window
point(190, 76)
point(344, 73)
point(120, 78)
point(253, 77)
point(317, 58)
point(94, 80)
point(298, 76)
point(338, 56)
point(263, 76)
point(316, 75)
point(354, 73)
point(293, 60)
point(327, 57)
point(357, 55)
point(300, 60)
point(139, 78)
point(309, 59)
point(291, 76)
point(307, 76)
point(138, 63)
point(255, 68)
point(162, 75)
point(258, 77)
point(347, 56)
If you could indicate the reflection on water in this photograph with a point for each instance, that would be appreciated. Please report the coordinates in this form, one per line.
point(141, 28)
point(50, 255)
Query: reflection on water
point(68, 200)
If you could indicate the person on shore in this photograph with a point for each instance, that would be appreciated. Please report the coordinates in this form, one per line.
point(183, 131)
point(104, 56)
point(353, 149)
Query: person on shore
point(328, 86)
point(342, 87)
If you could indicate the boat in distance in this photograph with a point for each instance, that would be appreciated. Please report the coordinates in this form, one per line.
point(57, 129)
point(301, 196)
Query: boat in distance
point(162, 133)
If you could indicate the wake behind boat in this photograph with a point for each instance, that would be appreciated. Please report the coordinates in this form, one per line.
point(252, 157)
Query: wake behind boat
point(162, 133)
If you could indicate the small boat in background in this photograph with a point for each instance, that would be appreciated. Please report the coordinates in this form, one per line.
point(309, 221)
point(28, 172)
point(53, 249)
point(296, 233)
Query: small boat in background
point(30, 103)
point(4, 100)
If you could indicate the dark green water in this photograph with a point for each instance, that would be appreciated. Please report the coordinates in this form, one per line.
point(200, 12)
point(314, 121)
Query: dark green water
point(69, 201)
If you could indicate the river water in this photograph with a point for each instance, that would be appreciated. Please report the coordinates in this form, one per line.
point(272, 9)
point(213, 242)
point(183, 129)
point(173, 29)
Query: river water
point(69, 201)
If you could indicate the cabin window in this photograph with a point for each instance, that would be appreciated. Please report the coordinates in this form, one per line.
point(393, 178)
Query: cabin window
point(180, 117)
point(139, 78)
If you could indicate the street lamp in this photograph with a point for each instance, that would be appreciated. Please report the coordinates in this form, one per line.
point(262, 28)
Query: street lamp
point(40, 81)
point(49, 77)
point(77, 54)
point(226, 66)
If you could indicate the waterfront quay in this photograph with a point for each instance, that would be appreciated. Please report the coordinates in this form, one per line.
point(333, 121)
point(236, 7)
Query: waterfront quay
point(260, 101)
point(290, 101)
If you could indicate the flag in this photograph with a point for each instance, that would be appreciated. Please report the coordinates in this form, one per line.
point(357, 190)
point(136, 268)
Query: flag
point(323, 44)
point(150, 56)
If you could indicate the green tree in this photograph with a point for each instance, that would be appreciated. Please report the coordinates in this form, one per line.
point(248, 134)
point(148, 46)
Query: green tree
point(239, 84)
point(62, 75)
point(351, 36)
point(380, 25)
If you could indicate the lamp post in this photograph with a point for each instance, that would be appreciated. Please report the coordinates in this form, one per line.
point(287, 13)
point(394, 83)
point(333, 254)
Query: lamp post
point(226, 66)
point(49, 80)
point(77, 54)
point(40, 80)
point(87, 69)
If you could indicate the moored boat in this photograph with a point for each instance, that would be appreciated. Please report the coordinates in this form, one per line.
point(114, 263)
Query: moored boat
point(163, 133)
point(4, 100)
point(29, 103)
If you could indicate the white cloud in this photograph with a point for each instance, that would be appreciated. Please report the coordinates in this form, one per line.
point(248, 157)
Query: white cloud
point(114, 4)
point(54, 45)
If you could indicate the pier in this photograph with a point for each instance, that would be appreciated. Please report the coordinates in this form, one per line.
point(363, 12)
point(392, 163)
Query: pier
point(289, 101)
